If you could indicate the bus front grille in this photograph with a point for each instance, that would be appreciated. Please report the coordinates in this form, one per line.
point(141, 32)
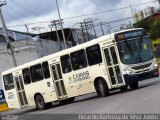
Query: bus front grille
point(141, 66)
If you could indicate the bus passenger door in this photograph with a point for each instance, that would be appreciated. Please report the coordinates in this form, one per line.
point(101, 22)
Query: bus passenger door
point(21, 91)
point(115, 75)
point(58, 81)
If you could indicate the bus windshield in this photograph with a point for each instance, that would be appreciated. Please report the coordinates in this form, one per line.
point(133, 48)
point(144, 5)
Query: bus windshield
point(134, 51)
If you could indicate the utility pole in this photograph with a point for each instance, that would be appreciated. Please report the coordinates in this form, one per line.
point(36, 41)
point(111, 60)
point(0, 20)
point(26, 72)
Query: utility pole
point(9, 46)
point(65, 44)
point(158, 1)
point(131, 8)
point(109, 28)
point(55, 23)
point(159, 4)
point(94, 30)
point(101, 23)
point(130, 24)
point(86, 27)
point(27, 28)
point(83, 32)
point(38, 29)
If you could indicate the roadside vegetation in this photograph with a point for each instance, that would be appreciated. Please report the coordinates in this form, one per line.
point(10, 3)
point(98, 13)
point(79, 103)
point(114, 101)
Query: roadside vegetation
point(152, 27)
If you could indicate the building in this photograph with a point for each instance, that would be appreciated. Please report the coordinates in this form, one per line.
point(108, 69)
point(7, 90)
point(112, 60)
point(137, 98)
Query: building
point(73, 36)
point(143, 14)
point(144, 19)
point(26, 51)
point(15, 35)
point(156, 16)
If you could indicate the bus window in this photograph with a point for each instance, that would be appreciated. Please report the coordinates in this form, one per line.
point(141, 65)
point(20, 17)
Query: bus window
point(8, 82)
point(54, 73)
point(66, 64)
point(36, 73)
point(114, 56)
point(26, 76)
point(94, 55)
point(46, 70)
point(59, 71)
point(78, 60)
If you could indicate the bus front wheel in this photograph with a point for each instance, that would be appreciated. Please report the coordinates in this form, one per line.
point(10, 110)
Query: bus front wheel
point(102, 88)
point(40, 104)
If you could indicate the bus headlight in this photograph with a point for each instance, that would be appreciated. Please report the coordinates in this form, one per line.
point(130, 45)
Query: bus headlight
point(128, 72)
point(155, 65)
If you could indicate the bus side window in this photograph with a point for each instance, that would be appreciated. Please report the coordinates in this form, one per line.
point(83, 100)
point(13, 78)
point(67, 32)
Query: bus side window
point(46, 71)
point(36, 73)
point(94, 55)
point(78, 60)
point(26, 76)
point(8, 82)
point(66, 63)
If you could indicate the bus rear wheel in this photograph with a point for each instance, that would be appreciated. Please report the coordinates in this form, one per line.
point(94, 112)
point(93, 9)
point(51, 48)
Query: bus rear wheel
point(102, 88)
point(40, 104)
point(134, 85)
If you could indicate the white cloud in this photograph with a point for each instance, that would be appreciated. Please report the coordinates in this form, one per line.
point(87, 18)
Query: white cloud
point(68, 8)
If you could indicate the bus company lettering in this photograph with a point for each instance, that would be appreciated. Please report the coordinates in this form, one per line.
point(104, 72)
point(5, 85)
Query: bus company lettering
point(10, 95)
point(81, 76)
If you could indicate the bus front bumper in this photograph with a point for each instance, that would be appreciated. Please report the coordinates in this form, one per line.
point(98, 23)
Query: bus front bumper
point(139, 77)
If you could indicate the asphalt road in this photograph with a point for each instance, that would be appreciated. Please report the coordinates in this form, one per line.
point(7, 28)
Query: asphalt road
point(146, 99)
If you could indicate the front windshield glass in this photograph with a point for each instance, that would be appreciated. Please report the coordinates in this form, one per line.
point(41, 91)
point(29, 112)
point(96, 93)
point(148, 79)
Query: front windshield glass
point(135, 51)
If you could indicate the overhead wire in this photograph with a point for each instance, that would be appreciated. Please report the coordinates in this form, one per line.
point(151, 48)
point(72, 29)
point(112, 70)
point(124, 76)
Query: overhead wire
point(86, 14)
point(33, 13)
point(10, 15)
point(18, 12)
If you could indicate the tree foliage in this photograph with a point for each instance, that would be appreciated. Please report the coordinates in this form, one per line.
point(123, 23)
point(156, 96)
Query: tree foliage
point(152, 26)
point(154, 31)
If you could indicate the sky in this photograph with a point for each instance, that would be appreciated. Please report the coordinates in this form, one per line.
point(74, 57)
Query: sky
point(21, 12)
point(33, 13)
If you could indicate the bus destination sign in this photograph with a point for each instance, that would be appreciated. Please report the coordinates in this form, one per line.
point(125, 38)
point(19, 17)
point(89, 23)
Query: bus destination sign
point(129, 35)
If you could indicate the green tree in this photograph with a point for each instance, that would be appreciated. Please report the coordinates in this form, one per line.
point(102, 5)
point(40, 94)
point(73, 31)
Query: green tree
point(152, 27)
point(146, 24)
point(154, 31)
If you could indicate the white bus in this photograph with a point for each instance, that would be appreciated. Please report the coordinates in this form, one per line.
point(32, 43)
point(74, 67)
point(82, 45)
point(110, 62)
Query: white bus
point(114, 61)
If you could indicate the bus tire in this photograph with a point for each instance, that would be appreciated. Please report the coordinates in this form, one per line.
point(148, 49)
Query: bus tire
point(134, 85)
point(102, 90)
point(67, 101)
point(40, 104)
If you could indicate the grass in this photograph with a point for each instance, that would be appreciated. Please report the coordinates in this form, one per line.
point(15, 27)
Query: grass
point(4, 107)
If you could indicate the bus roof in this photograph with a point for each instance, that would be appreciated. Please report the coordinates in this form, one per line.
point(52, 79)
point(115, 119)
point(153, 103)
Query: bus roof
point(67, 51)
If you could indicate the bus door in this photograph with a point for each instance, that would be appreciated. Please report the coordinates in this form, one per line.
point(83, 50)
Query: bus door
point(115, 75)
point(21, 91)
point(58, 81)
